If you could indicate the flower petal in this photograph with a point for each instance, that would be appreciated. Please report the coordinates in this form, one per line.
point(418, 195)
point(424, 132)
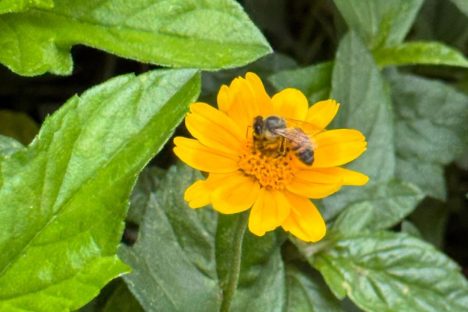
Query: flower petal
point(235, 194)
point(322, 113)
point(203, 158)
point(244, 99)
point(214, 129)
point(268, 212)
point(290, 103)
point(199, 193)
point(312, 190)
point(304, 221)
point(337, 147)
point(347, 176)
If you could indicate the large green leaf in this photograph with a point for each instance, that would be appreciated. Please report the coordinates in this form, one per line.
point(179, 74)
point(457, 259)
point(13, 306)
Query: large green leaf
point(365, 105)
point(9, 6)
point(431, 129)
point(385, 271)
point(122, 300)
point(432, 53)
point(8, 146)
point(63, 199)
point(308, 292)
point(314, 81)
point(389, 203)
point(180, 260)
point(209, 34)
point(380, 22)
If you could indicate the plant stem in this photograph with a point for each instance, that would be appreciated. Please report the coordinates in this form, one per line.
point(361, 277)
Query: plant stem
point(233, 276)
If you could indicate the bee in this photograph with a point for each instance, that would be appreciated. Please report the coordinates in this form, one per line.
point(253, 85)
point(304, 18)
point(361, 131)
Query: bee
point(271, 135)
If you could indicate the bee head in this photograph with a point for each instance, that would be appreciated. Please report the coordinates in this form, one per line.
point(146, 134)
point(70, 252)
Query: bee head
point(258, 126)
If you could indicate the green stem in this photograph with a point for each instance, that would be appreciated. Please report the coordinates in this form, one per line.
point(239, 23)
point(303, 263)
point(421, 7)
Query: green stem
point(233, 275)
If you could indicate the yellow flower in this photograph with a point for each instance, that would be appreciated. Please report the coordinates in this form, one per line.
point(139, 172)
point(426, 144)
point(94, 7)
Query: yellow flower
point(273, 182)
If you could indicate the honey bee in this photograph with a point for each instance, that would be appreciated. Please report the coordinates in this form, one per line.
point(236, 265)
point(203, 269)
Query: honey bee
point(271, 135)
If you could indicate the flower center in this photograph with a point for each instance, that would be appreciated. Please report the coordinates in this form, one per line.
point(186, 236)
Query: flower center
point(273, 172)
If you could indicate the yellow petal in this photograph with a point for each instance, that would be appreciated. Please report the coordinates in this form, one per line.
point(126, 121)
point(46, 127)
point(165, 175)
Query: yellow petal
point(347, 176)
point(214, 129)
point(268, 212)
point(235, 194)
point(322, 113)
point(199, 193)
point(290, 103)
point(203, 158)
point(244, 99)
point(312, 190)
point(337, 147)
point(318, 175)
point(304, 221)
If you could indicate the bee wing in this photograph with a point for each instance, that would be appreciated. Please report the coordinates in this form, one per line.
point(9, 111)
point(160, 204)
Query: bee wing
point(306, 127)
point(295, 135)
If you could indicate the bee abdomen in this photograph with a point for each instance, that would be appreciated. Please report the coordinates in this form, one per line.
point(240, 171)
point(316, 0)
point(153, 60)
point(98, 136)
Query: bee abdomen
point(306, 156)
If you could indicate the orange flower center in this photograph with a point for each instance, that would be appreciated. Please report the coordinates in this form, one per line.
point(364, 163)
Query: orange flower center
point(271, 172)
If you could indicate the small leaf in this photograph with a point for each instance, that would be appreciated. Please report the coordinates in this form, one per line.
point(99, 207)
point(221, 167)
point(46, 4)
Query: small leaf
point(209, 34)
point(64, 198)
point(380, 22)
point(314, 81)
point(462, 5)
point(356, 218)
point(122, 300)
point(390, 201)
point(308, 292)
point(17, 125)
point(430, 53)
point(10, 6)
point(386, 271)
point(409, 228)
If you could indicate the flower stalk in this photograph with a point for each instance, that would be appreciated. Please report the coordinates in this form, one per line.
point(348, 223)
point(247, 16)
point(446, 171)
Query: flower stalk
point(230, 286)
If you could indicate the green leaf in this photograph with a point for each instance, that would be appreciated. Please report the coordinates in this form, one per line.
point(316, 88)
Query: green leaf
point(64, 198)
point(462, 5)
point(308, 292)
point(380, 22)
point(431, 218)
point(390, 202)
point(386, 271)
point(209, 34)
point(314, 81)
point(431, 129)
point(122, 300)
point(431, 53)
point(17, 125)
point(9, 146)
point(10, 6)
point(179, 260)
point(173, 261)
point(365, 105)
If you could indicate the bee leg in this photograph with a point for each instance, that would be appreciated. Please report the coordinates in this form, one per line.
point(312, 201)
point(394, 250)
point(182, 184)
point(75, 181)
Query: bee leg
point(282, 148)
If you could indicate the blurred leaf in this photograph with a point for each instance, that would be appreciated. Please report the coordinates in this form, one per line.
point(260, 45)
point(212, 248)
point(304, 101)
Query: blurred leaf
point(64, 198)
point(386, 271)
point(314, 81)
point(262, 278)
point(179, 260)
point(431, 129)
point(408, 53)
point(122, 300)
point(9, 6)
point(380, 22)
point(390, 202)
point(431, 218)
point(9, 146)
point(411, 229)
point(365, 105)
point(17, 125)
point(462, 5)
point(209, 34)
point(308, 292)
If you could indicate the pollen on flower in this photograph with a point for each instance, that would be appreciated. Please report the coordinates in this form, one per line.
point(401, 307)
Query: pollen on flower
point(271, 172)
